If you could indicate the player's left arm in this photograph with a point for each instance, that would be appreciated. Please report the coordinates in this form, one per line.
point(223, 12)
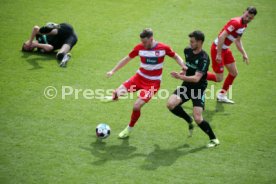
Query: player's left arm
point(240, 47)
point(44, 47)
point(195, 78)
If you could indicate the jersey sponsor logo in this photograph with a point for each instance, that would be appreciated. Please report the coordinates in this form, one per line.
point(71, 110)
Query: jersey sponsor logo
point(230, 28)
point(190, 65)
point(152, 53)
point(151, 61)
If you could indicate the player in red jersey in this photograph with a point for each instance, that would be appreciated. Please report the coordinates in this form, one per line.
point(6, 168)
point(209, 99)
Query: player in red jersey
point(148, 77)
point(221, 54)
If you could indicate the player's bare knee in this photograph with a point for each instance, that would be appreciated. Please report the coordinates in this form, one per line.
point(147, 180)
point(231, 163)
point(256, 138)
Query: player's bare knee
point(136, 106)
point(65, 48)
point(171, 105)
point(172, 102)
point(234, 74)
point(198, 118)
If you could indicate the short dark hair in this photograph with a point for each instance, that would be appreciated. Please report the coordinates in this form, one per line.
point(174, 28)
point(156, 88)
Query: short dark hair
point(146, 33)
point(198, 35)
point(252, 10)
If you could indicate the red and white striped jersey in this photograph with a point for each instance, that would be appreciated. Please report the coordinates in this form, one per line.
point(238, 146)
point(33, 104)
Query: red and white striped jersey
point(234, 28)
point(151, 65)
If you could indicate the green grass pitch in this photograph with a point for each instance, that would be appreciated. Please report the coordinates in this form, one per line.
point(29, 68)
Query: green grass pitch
point(53, 141)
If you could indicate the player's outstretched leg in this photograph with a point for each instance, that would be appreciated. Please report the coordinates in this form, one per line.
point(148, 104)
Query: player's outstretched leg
point(174, 105)
point(233, 72)
point(205, 127)
point(136, 112)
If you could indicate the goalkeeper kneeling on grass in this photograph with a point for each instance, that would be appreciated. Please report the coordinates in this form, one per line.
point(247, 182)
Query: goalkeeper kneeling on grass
point(52, 37)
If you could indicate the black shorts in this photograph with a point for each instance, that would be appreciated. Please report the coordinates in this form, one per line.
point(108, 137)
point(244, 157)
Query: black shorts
point(71, 40)
point(187, 93)
point(67, 34)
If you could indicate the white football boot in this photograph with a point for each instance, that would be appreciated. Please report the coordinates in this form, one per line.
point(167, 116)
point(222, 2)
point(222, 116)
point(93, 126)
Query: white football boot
point(65, 59)
point(213, 143)
point(223, 98)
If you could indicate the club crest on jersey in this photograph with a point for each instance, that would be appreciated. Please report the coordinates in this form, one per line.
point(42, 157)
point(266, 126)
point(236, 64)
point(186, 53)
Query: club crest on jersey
point(157, 53)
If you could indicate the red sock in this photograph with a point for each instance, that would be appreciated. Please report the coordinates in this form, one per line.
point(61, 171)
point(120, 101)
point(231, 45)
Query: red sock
point(134, 118)
point(211, 76)
point(227, 83)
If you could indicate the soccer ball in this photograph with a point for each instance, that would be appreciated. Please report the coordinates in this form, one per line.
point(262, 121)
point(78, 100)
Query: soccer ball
point(103, 131)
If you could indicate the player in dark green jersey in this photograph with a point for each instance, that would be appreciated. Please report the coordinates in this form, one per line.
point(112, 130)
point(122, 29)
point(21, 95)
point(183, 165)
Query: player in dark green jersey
point(193, 86)
point(53, 37)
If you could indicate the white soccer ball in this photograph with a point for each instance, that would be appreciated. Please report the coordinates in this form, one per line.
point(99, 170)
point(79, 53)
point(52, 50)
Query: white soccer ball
point(103, 131)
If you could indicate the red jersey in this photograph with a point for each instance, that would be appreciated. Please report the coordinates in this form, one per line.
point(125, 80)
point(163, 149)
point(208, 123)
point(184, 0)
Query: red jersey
point(151, 65)
point(234, 28)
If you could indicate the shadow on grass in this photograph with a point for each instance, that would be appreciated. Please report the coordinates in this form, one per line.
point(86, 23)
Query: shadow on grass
point(33, 58)
point(155, 159)
point(209, 114)
point(106, 153)
point(166, 157)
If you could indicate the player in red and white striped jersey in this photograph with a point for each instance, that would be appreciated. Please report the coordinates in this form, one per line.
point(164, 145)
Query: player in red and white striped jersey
point(221, 54)
point(148, 77)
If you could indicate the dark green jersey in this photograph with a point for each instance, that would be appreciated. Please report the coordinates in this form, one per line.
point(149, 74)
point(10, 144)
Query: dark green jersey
point(196, 63)
point(64, 32)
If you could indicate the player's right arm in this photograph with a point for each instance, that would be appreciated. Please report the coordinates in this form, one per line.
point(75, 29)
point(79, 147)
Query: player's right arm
point(35, 31)
point(125, 60)
point(221, 40)
point(119, 65)
point(201, 70)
